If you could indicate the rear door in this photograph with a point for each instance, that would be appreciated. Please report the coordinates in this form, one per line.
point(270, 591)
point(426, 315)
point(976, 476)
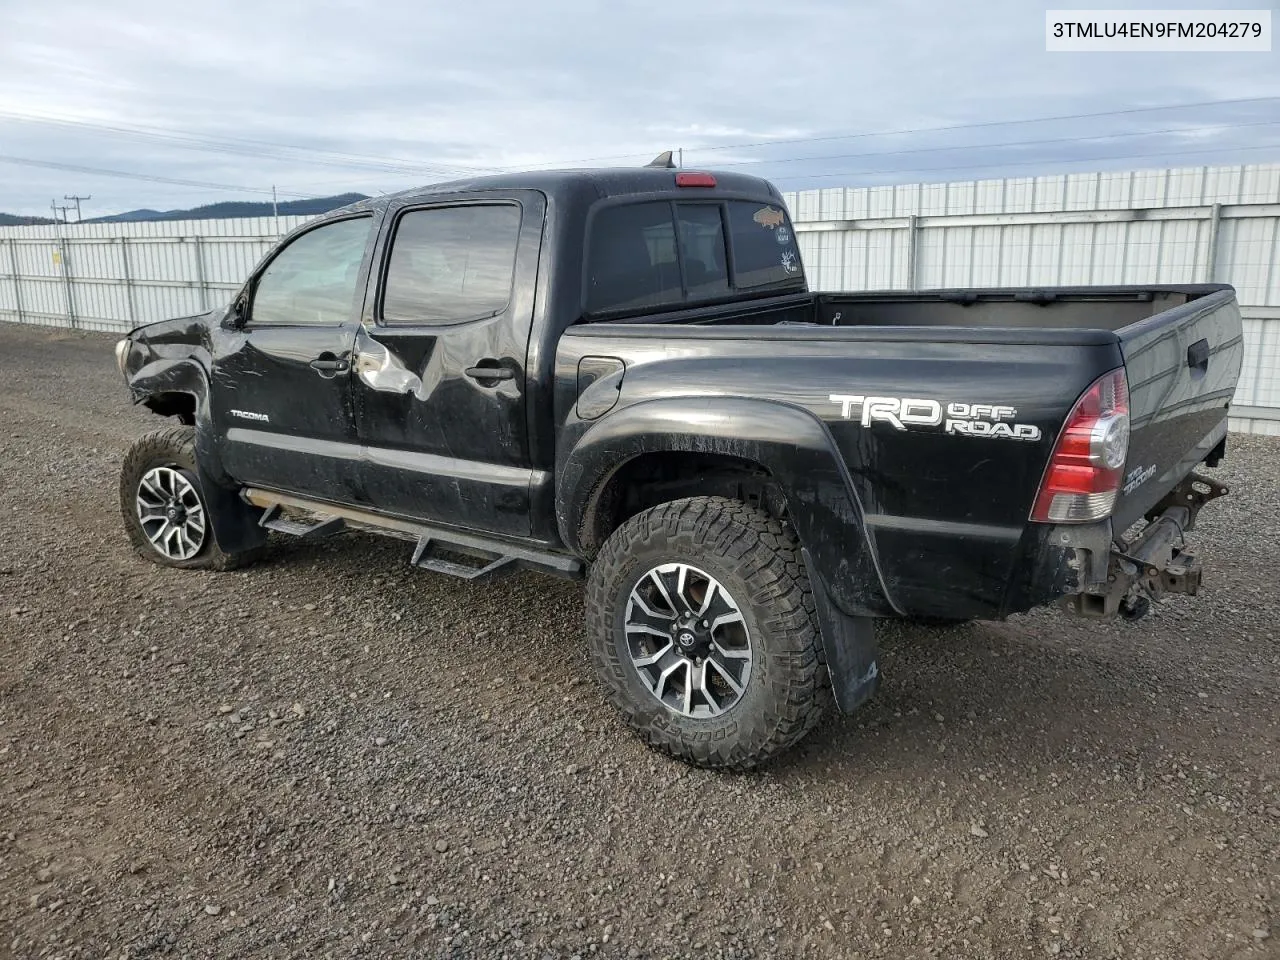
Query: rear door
point(281, 387)
point(1182, 365)
point(440, 371)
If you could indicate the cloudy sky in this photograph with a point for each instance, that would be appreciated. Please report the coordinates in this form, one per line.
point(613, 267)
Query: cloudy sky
point(322, 96)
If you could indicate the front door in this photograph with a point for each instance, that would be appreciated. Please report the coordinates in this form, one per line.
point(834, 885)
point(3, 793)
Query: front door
point(281, 384)
point(440, 374)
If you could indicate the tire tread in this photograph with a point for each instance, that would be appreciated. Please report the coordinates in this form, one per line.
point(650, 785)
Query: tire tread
point(176, 444)
point(764, 552)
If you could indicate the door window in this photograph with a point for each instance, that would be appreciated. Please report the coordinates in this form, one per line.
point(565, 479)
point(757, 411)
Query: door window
point(313, 279)
point(450, 264)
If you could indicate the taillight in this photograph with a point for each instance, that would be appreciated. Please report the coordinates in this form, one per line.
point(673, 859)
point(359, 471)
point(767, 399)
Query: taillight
point(1084, 473)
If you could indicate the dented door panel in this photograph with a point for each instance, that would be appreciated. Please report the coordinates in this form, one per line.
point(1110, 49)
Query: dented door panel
point(441, 407)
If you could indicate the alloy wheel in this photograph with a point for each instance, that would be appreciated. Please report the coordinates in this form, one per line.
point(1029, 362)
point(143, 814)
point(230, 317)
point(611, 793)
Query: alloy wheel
point(688, 640)
point(171, 513)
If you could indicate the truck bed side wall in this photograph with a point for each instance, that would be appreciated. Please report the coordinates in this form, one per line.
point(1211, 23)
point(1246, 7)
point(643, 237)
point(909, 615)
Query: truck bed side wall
point(943, 516)
point(1182, 367)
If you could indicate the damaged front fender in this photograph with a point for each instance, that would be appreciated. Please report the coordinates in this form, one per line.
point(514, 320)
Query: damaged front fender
point(166, 366)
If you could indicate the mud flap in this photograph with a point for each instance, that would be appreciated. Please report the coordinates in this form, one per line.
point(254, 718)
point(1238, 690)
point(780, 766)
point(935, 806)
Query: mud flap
point(234, 522)
point(850, 647)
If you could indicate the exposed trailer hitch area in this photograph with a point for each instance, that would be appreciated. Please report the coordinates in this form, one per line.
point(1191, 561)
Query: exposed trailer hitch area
point(1156, 562)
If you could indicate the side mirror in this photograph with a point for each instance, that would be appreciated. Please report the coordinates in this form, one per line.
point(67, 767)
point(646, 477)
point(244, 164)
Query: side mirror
point(237, 313)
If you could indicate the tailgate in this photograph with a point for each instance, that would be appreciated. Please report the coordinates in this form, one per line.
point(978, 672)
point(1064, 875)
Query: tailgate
point(1182, 365)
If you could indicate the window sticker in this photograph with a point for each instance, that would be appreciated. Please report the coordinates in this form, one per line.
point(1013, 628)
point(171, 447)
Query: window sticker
point(769, 217)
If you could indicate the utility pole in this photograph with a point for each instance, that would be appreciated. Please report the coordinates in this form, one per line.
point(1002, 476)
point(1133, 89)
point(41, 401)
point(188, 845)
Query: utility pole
point(680, 154)
point(60, 258)
point(275, 210)
point(77, 203)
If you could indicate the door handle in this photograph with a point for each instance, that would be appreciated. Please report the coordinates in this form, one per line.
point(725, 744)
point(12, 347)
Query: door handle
point(328, 365)
point(490, 373)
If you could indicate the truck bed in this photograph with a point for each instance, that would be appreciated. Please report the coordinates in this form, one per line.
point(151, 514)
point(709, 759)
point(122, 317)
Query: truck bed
point(936, 501)
point(1058, 308)
point(1075, 308)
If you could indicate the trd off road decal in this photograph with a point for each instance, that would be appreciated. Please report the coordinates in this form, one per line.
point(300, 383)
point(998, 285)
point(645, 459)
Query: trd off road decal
point(955, 417)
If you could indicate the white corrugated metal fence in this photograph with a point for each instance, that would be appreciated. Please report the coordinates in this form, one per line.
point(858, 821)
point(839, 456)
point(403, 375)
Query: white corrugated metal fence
point(115, 276)
point(1189, 225)
point(1157, 226)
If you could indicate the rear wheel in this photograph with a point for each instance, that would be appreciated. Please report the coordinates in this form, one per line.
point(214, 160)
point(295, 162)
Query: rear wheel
point(702, 630)
point(164, 511)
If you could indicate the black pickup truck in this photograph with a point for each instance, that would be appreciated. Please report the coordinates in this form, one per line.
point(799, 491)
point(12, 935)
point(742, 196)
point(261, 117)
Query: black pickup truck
point(622, 374)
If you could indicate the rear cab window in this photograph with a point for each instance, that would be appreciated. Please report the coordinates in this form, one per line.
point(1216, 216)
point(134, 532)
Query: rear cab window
point(672, 253)
point(764, 244)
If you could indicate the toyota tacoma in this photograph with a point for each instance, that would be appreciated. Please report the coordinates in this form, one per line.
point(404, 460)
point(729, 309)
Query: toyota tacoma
point(622, 375)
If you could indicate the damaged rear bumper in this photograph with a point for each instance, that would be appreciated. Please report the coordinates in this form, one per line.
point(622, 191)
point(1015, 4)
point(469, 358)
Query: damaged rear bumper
point(1127, 576)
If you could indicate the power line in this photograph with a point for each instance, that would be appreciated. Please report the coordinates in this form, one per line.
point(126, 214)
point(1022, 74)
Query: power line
point(940, 129)
point(1023, 163)
point(1001, 123)
point(240, 146)
point(100, 171)
point(994, 146)
point(310, 155)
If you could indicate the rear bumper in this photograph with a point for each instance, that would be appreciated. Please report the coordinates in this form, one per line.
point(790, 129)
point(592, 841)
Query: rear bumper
point(968, 571)
point(1155, 562)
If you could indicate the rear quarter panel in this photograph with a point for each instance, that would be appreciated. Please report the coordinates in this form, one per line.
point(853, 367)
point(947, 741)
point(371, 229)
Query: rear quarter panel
point(945, 515)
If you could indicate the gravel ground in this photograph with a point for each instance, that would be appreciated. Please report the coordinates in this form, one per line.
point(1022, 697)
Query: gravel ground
point(330, 754)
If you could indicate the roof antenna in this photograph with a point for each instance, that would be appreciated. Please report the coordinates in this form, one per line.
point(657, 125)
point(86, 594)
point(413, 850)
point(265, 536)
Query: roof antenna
point(662, 161)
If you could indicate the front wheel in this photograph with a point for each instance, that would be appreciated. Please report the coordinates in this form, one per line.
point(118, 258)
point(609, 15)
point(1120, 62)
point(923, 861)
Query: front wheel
point(164, 511)
point(702, 630)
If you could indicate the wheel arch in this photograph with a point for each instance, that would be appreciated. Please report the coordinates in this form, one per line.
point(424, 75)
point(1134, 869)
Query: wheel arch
point(781, 450)
point(652, 477)
point(180, 388)
point(179, 404)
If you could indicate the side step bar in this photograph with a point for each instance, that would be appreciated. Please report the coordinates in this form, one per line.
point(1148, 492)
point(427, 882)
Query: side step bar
point(274, 519)
point(498, 556)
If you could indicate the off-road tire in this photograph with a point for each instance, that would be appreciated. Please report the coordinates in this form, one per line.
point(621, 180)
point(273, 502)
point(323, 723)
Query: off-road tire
point(171, 447)
point(757, 560)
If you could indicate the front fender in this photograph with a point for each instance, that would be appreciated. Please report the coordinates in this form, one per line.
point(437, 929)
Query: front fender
point(790, 443)
point(166, 376)
point(235, 523)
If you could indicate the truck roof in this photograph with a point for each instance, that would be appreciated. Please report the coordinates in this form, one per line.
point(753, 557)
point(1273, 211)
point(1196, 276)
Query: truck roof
point(589, 184)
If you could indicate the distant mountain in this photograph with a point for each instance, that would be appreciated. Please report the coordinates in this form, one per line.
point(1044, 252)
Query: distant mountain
point(212, 211)
point(9, 220)
point(236, 208)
